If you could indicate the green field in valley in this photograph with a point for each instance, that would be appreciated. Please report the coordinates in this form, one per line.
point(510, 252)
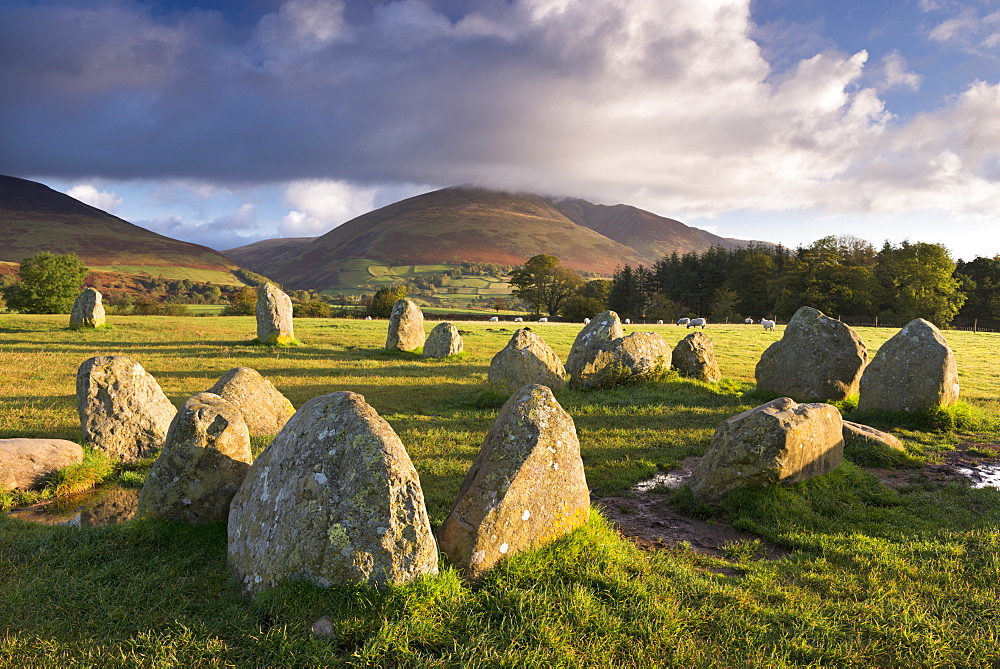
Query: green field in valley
point(847, 569)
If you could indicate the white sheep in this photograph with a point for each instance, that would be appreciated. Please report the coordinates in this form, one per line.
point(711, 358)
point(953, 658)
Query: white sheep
point(518, 320)
point(768, 325)
point(748, 321)
point(659, 322)
point(628, 321)
point(494, 319)
point(684, 321)
point(543, 319)
point(695, 322)
point(586, 321)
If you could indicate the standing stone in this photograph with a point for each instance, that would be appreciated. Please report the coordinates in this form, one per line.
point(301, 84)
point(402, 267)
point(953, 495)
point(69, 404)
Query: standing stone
point(694, 357)
point(817, 358)
point(526, 359)
point(24, 463)
point(88, 310)
point(914, 371)
point(406, 326)
point(780, 442)
point(444, 340)
point(122, 410)
point(274, 316)
point(635, 357)
point(264, 408)
point(333, 500)
point(597, 335)
point(203, 463)
point(526, 487)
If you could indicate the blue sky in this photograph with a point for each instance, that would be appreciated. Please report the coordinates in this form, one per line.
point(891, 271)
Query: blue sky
point(224, 121)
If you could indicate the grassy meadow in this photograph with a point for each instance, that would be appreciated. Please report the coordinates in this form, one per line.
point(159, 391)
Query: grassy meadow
point(867, 574)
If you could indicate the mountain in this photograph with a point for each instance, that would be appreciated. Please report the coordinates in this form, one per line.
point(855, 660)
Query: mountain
point(650, 235)
point(449, 226)
point(34, 218)
point(465, 224)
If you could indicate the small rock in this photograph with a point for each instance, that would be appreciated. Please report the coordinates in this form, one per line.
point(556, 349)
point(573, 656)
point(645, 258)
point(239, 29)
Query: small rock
point(780, 442)
point(817, 358)
point(526, 487)
point(323, 628)
point(694, 357)
point(24, 463)
point(526, 359)
point(264, 408)
point(861, 436)
point(122, 410)
point(203, 463)
point(88, 310)
point(915, 370)
point(406, 327)
point(274, 316)
point(444, 340)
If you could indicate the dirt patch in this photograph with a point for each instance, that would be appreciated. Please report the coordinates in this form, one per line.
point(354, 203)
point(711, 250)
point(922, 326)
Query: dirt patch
point(977, 464)
point(645, 517)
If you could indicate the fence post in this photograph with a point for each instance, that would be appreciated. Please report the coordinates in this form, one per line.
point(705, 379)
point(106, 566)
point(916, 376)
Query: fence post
point(975, 325)
point(876, 321)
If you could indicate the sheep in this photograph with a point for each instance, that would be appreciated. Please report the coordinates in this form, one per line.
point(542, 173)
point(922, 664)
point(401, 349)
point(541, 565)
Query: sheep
point(518, 320)
point(696, 322)
point(494, 319)
point(659, 322)
point(586, 321)
point(748, 321)
point(684, 321)
point(768, 325)
point(543, 319)
point(368, 318)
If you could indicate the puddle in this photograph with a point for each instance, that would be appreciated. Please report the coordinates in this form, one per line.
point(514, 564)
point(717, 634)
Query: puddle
point(107, 506)
point(986, 475)
point(664, 480)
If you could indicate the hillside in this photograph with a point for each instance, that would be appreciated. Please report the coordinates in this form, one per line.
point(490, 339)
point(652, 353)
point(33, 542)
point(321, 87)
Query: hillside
point(450, 225)
point(34, 218)
point(464, 224)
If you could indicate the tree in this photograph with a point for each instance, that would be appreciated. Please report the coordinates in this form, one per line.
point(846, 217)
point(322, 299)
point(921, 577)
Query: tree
point(384, 299)
point(543, 284)
point(49, 284)
point(242, 303)
point(499, 304)
point(917, 281)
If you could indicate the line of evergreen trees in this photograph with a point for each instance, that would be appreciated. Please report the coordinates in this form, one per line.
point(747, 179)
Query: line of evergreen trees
point(840, 275)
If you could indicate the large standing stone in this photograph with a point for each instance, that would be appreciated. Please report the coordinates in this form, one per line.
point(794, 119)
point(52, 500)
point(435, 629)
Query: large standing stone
point(122, 410)
point(597, 335)
point(264, 408)
point(333, 500)
point(202, 464)
point(444, 340)
point(694, 357)
point(88, 310)
point(274, 316)
point(632, 358)
point(526, 487)
point(526, 359)
point(817, 358)
point(406, 327)
point(24, 463)
point(780, 442)
point(914, 371)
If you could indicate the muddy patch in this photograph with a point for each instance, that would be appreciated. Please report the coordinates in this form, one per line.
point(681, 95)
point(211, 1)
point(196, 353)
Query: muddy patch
point(645, 517)
point(972, 463)
point(107, 506)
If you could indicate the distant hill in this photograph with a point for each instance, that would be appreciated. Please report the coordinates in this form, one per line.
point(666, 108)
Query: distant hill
point(34, 218)
point(464, 224)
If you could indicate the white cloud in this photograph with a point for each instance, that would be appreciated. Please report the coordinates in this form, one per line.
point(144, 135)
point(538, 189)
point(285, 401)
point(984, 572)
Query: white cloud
point(319, 206)
point(893, 73)
point(89, 194)
point(967, 28)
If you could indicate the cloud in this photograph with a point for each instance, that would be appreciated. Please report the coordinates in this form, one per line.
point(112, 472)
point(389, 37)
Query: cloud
point(89, 194)
point(679, 107)
point(966, 28)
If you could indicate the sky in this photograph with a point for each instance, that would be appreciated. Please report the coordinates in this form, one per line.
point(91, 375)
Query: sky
point(224, 122)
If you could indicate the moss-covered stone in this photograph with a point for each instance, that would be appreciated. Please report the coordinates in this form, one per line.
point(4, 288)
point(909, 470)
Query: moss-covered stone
point(88, 310)
point(818, 358)
point(526, 359)
point(526, 487)
point(694, 358)
point(333, 500)
point(780, 442)
point(274, 316)
point(122, 409)
point(264, 408)
point(203, 463)
point(915, 370)
point(597, 335)
point(635, 357)
point(444, 340)
point(406, 327)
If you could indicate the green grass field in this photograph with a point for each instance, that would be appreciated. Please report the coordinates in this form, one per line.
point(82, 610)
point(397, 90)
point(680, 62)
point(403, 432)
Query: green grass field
point(867, 574)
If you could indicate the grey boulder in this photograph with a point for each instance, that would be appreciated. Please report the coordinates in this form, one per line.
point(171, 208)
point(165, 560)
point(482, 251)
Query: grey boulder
point(264, 408)
point(526, 359)
point(694, 357)
point(24, 463)
point(444, 340)
point(406, 326)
